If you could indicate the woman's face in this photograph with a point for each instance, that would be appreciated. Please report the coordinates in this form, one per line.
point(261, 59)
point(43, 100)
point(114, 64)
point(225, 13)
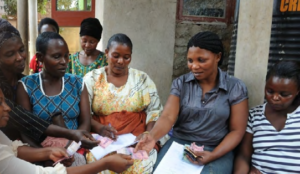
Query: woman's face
point(48, 28)
point(56, 58)
point(202, 63)
point(13, 55)
point(4, 110)
point(88, 44)
point(118, 57)
point(280, 92)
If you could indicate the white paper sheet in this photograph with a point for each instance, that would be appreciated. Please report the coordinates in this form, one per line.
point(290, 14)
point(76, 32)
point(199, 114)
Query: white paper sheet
point(173, 163)
point(122, 141)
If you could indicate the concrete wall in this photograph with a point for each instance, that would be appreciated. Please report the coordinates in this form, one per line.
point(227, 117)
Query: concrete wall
point(151, 26)
point(253, 42)
point(184, 31)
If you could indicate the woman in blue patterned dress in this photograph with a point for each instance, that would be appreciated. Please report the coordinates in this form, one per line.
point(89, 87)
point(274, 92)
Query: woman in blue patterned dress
point(52, 90)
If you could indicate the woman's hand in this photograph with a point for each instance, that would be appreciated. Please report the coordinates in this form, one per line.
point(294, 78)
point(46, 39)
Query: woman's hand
point(146, 142)
point(118, 162)
point(87, 140)
point(57, 153)
point(254, 170)
point(203, 158)
point(107, 131)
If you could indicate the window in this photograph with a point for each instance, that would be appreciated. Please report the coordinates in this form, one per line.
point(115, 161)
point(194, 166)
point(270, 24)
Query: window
point(205, 10)
point(70, 13)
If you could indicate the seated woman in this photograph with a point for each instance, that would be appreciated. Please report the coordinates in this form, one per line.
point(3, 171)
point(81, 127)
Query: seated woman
point(14, 155)
point(89, 58)
point(206, 106)
point(52, 90)
point(12, 64)
point(271, 143)
point(46, 25)
point(124, 97)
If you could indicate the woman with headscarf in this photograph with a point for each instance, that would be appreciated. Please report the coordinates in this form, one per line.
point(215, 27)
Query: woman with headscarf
point(12, 64)
point(89, 58)
point(205, 106)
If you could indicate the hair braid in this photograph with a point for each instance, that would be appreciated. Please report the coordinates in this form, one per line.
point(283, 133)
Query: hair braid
point(209, 41)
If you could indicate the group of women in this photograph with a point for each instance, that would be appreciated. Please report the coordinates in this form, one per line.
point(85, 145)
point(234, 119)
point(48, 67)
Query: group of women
point(85, 92)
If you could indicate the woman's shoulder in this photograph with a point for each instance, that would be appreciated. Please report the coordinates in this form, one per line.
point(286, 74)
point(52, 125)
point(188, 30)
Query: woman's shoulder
point(33, 77)
point(138, 74)
point(95, 72)
point(72, 78)
point(233, 82)
point(257, 109)
point(184, 77)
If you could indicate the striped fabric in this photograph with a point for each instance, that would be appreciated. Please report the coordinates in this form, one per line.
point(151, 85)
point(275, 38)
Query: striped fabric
point(275, 152)
point(26, 122)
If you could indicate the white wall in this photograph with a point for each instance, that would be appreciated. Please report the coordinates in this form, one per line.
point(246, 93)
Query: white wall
point(253, 43)
point(151, 26)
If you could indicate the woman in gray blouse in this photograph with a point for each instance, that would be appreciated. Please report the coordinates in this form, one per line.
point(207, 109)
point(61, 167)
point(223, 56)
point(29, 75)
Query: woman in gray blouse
point(205, 106)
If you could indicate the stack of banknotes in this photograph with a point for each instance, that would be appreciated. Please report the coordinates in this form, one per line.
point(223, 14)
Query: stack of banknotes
point(139, 155)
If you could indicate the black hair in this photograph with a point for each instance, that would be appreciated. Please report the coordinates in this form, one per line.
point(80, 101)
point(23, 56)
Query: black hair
point(48, 21)
point(285, 69)
point(121, 39)
point(209, 41)
point(43, 39)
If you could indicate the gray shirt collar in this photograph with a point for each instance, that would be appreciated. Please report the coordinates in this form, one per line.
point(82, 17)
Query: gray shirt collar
point(222, 79)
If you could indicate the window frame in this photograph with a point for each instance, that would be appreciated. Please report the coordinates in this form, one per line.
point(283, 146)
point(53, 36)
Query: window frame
point(70, 18)
point(229, 14)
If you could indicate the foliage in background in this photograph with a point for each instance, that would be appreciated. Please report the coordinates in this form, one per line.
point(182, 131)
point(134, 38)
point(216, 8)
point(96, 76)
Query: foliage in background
point(10, 7)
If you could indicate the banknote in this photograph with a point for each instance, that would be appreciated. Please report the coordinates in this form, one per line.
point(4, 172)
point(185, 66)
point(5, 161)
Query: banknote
point(71, 150)
point(140, 154)
point(62, 160)
point(104, 141)
point(194, 148)
point(73, 147)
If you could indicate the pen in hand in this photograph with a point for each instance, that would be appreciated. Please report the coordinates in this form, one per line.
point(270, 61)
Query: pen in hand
point(112, 134)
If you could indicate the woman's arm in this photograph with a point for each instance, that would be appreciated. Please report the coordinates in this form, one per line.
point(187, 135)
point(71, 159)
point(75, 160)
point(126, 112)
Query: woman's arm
point(11, 164)
point(167, 119)
point(24, 101)
point(41, 154)
point(162, 126)
point(117, 163)
point(85, 116)
point(237, 127)
point(243, 158)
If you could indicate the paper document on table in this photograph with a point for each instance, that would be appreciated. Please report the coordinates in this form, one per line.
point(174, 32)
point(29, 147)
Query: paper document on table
point(172, 162)
point(122, 141)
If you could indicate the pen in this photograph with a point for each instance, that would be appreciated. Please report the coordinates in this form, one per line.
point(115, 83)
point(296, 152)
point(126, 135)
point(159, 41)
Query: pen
point(112, 134)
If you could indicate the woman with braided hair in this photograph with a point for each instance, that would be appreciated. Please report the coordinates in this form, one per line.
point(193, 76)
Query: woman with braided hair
point(205, 106)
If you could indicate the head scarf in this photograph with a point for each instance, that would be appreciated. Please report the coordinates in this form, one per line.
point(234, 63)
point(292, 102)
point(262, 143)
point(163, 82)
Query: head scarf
point(91, 27)
point(7, 31)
